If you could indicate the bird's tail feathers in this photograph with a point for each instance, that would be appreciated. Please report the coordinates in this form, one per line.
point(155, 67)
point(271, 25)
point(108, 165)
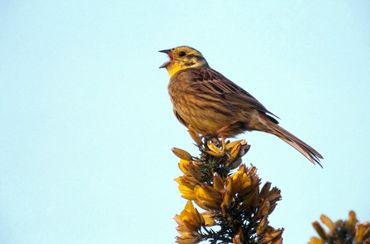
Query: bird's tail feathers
point(307, 151)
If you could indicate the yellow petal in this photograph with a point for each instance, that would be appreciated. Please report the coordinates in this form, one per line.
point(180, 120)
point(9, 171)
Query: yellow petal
point(207, 197)
point(315, 240)
point(187, 180)
point(215, 154)
point(207, 193)
point(194, 213)
point(228, 195)
point(230, 145)
point(236, 181)
point(245, 181)
point(241, 181)
point(209, 218)
point(184, 166)
point(214, 150)
point(327, 221)
point(362, 230)
point(218, 183)
point(187, 192)
point(234, 152)
point(188, 222)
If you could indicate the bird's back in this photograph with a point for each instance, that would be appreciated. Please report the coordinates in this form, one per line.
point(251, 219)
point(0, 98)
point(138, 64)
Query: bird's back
point(208, 101)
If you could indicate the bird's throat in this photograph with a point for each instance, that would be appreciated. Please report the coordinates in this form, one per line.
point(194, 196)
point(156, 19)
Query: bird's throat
point(173, 68)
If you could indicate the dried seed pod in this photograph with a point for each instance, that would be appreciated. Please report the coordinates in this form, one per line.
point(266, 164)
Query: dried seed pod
point(262, 226)
point(316, 225)
point(181, 153)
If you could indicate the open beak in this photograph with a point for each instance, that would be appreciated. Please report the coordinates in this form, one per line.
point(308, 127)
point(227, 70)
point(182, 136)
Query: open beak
point(168, 52)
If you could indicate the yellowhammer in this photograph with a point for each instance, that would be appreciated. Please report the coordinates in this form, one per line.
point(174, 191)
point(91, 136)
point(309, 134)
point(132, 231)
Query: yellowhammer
point(213, 105)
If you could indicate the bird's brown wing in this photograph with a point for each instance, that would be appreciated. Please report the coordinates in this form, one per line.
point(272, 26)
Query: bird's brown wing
point(214, 83)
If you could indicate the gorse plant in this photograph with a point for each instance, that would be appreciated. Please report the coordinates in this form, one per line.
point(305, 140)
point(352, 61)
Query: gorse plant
point(348, 231)
point(235, 206)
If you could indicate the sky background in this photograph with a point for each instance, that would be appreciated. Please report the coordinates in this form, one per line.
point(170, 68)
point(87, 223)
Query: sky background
point(86, 123)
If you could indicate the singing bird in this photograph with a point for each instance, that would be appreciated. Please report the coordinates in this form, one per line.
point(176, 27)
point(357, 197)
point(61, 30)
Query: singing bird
point(213, 105)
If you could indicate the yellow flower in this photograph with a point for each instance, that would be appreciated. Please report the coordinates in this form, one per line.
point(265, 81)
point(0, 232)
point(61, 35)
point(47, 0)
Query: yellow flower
point(240, 181)
point(218, 183)
point(228, 195)
point(186, 186)
point(184, 166)
point(207, 197)
point(189, 222)
point(328, 222)
point(214, 150)
point(230, 145)
point(234, 149)
point(190, 168)
point(362, 232)
point(341, 231)
point(315, 240)
point(209, 182)
point(209, 218)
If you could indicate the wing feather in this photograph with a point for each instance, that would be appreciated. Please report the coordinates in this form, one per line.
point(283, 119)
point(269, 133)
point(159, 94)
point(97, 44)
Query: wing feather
point(212, 82)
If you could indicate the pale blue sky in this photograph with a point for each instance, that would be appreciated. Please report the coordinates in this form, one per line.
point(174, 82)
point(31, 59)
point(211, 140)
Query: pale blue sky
point(87, 126)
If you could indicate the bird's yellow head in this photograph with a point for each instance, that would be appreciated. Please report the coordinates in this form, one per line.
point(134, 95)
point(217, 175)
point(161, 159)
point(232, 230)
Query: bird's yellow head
point(181, 58)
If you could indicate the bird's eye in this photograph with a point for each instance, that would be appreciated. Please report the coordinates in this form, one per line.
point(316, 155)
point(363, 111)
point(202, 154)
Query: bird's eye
point(182, 54)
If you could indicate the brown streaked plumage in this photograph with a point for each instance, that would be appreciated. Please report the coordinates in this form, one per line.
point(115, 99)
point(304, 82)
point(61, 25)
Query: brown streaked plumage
point(215, 106)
